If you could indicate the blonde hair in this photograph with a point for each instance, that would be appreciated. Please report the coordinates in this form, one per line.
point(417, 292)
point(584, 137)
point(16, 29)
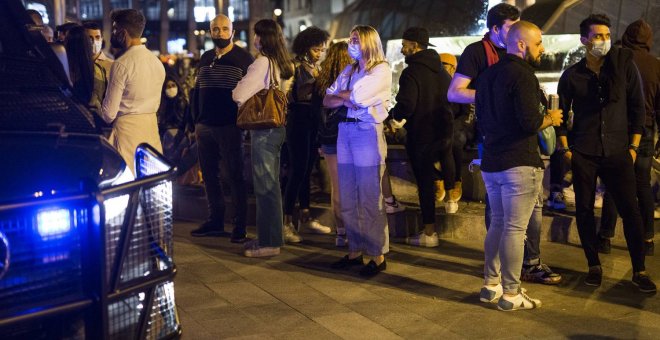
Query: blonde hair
point(372, 48)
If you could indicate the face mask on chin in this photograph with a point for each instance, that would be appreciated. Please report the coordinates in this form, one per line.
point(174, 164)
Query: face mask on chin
point(354, 51)
point(221, 43)
point(600, 48)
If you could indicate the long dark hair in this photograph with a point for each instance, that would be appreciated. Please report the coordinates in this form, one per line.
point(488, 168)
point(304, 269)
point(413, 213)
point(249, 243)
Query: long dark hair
point(172, 111)
point(335, 61)
point(273, 45)
point(81, 65)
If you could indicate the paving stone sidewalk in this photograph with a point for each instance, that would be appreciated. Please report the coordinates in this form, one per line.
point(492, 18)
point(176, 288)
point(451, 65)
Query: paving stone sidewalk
point(424, 294)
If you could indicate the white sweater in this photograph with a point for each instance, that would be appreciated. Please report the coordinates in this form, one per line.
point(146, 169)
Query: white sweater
point(370, 92)
point(256, 79)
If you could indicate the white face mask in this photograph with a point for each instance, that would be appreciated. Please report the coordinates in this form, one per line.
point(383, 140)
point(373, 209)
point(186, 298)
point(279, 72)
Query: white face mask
point(96, 47)
point(354, 51)
point(171, 92)
point(600, 48)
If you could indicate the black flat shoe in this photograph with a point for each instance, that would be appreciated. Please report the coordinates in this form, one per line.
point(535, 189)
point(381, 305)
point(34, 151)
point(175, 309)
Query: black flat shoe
point(345, 262)
point(372, 268)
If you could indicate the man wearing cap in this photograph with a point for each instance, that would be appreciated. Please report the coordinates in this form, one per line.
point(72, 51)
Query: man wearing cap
point(422, 101)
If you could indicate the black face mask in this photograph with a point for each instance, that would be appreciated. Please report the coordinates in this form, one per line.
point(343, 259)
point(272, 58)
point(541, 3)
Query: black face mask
point(117, 40)
point(221, 43)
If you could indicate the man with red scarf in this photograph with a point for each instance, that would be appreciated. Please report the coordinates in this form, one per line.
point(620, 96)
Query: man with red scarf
point(476, 58)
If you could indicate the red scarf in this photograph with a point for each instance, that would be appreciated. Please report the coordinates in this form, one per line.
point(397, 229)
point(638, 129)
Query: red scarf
point(491, 52)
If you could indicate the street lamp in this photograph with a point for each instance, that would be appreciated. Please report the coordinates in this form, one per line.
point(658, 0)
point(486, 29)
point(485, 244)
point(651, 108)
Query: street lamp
point(277, 12)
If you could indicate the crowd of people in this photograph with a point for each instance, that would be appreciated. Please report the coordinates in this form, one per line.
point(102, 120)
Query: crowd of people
point(338, 102)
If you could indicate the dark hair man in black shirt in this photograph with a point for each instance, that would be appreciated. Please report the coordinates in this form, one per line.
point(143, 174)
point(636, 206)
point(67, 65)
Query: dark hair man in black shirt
point(508, 104)
point(219, 140)
point(476, 58)
point(605, 93)
point(422, 101)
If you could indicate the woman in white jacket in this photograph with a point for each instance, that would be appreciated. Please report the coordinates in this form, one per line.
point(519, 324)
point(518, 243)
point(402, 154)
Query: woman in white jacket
point(361, 149)
point(266, 143)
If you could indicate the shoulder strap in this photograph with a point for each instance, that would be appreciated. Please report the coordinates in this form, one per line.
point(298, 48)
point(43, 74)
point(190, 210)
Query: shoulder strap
point(273, 81)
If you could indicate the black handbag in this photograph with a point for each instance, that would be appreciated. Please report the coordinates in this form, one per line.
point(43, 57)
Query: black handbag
point(330, 119)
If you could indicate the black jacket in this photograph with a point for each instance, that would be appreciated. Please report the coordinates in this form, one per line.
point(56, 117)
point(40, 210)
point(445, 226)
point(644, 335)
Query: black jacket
point(422, 99)
point(509, 111)
point(606, 108)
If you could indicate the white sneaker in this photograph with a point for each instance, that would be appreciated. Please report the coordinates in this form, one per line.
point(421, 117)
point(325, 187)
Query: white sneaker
point(490, 293)
point(569, 196)
point(423, 240)
point(394, 207)
point(290, 233)
point(315, 226)
point(518, 302)
point(451, 207)
point(262, 251)
point(598, 201)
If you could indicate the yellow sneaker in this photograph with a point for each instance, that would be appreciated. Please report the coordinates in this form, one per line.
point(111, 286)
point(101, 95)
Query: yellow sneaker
point(456, 193)
point(440, 191)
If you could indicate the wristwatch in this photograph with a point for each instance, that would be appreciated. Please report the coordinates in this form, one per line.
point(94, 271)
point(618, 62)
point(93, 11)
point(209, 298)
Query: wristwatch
point(563, 150)
point(634, 147)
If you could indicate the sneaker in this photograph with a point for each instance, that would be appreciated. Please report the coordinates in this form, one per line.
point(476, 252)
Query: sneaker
point(598, 202)
point(440, 191)
point(594, 276)
point(569, 196)
point(372, 268)
point(341, 241)
point(556, 201)
point(656, 214)
point(490, 293)
point(238, 235)
point(451, 206)
point(423, 240)
point(518, 302)
point(456, 193)
point(393, 207)
point(315, 226)
point(257, 251)
point(644, 283)
point(604, 245)
point(209, 228)
point(290, 234)
point(540, 273)
point(649, 248)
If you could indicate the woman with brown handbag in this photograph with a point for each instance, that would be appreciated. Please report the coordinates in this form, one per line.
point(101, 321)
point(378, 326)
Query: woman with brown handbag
point(271, 66)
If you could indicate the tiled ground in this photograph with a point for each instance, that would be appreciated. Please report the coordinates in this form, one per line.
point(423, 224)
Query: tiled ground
point(425, 293)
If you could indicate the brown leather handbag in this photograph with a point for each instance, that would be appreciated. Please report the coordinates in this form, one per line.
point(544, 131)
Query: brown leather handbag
point(266, 109)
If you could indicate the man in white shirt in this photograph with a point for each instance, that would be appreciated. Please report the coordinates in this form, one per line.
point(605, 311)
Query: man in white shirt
point(134, 88)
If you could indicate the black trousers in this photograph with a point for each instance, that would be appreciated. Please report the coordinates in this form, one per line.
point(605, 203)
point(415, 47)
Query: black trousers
point(617, 172)
point(422, 157)
point(301, 135)
point(220, 151)
point(644, 192)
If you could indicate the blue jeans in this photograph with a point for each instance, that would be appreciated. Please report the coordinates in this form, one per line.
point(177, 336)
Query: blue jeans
point(513, 194)
point(361, 152)
point(266, 145)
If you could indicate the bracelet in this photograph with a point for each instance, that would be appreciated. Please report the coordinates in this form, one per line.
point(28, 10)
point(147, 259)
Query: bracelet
point(634, 147)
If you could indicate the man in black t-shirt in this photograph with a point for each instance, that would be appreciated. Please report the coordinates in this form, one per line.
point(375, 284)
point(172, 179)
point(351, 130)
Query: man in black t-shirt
point(476, 58)
point(219, 140)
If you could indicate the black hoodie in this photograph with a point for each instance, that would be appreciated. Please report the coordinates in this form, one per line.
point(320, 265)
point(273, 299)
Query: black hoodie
point(422, 99)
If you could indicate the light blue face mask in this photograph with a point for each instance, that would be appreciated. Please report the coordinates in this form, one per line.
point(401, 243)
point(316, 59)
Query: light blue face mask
point(354, 51)
point(600, 48)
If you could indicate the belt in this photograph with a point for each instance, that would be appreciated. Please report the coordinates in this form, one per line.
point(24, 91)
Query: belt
point(350, 120)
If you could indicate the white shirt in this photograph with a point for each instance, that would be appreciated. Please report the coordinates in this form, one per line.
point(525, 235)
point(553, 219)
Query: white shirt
point(256, 79)
point(370, 92)
point(135, 84)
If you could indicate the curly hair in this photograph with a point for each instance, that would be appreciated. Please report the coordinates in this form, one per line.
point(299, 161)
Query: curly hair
point(305, 40)
point(335, 61)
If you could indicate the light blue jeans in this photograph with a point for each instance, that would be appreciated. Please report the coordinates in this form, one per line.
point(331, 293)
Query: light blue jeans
point(265, 155)
point(513, 195)
point(361, 152)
